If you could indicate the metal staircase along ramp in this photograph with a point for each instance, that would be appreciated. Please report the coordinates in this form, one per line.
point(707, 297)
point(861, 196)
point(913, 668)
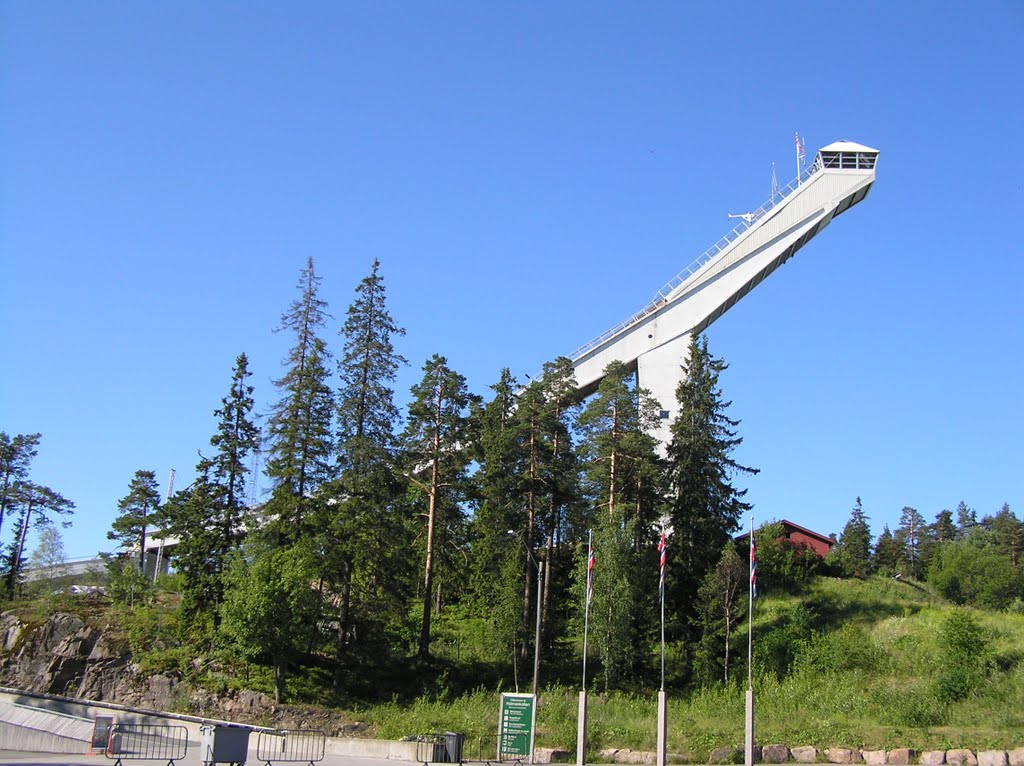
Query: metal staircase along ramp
point(655, 340)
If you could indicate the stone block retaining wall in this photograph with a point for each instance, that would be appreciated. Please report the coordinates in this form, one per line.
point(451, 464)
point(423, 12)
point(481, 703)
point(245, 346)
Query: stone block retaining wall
point(782, 754)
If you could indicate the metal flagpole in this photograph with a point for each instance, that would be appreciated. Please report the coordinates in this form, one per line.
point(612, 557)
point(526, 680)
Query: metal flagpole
point(581, 713)
point(662, 698)
point(750, 610)
point(586, 605)
point(748, 750)
point(797, 138)
point(661, 591)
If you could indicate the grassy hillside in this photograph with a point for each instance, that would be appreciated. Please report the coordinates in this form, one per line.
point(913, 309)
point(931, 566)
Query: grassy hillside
point(858, 663)
point(847, 663)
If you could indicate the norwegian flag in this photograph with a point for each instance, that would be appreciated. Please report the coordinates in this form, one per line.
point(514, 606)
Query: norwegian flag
point(753, 568)
point(663, 551)
point(591, 560)
point(800, 153)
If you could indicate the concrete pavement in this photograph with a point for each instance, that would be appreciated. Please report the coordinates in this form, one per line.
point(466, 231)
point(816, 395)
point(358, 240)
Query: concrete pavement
point(14, 758)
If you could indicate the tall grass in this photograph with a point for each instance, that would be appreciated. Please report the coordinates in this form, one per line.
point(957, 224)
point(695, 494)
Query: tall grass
point(864, 675)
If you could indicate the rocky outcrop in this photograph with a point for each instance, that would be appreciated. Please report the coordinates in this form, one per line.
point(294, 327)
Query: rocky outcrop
point(65, 656)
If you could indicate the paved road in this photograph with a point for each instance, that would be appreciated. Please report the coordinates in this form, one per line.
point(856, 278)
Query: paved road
point(192, 759)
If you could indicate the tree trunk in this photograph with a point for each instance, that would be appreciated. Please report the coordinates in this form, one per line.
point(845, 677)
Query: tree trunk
point(428, 575)
point(279, 680)
point(728, 631)
point(142, 538)
point(611, 462)
point(344, 612)
point(428, 568)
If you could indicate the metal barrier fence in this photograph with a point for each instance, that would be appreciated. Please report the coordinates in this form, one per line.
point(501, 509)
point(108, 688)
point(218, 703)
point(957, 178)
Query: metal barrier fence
point(290, 746)
point(439, 748)
point(498, 748)
point(146, 742)
point(430, 748)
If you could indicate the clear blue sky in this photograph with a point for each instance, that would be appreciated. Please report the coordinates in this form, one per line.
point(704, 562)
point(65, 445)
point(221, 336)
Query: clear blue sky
point(528, 174)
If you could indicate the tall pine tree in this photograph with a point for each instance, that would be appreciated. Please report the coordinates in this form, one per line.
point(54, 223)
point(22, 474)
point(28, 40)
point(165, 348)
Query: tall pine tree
point(135, 512)
point(889, 555)
point(436, 449)
point(561, 474)
point(943, 530)
point(15, 458)
point(852, 552)
point(623, 486)
point(36, 507)
point(705, 506)
point(16, 453)
point(914, 535)
point(498, 491)
point(365, 532)
point(301, 422)
point(208, 518)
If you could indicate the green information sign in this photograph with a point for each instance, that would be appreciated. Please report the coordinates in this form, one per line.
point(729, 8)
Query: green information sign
point(515, 725)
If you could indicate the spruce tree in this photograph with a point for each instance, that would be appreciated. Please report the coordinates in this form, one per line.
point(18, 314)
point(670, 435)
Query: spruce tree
point(623, 486)
point(300, 425)
point(135, 510)
point(498, 492)
point(943, 530)
point(208, 518)
point(435, 447)
point(852, 552)
point(365, 533)
point(889, 553)
point(1006, 532)
point(191, 516)
point(705, 506)
point(618, 450)
point(532, 416)
point(966, 520)
point(236, 438)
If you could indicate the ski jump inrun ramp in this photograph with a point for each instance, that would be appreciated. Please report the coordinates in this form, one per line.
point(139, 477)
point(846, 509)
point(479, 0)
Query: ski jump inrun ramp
point(655, 340)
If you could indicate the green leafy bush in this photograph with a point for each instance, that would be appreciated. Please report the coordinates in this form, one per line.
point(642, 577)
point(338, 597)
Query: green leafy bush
point(967, 574)
point(964, 646)
point(848, 648)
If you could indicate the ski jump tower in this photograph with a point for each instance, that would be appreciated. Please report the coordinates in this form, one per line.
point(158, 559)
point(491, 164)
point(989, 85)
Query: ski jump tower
point(656, 339)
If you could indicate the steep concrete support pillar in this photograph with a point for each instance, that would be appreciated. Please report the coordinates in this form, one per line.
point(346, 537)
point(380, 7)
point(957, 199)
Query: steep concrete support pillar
point(659, 371)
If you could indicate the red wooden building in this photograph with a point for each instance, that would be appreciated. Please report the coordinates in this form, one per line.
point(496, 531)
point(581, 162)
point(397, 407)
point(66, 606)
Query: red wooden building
point(801, 537)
